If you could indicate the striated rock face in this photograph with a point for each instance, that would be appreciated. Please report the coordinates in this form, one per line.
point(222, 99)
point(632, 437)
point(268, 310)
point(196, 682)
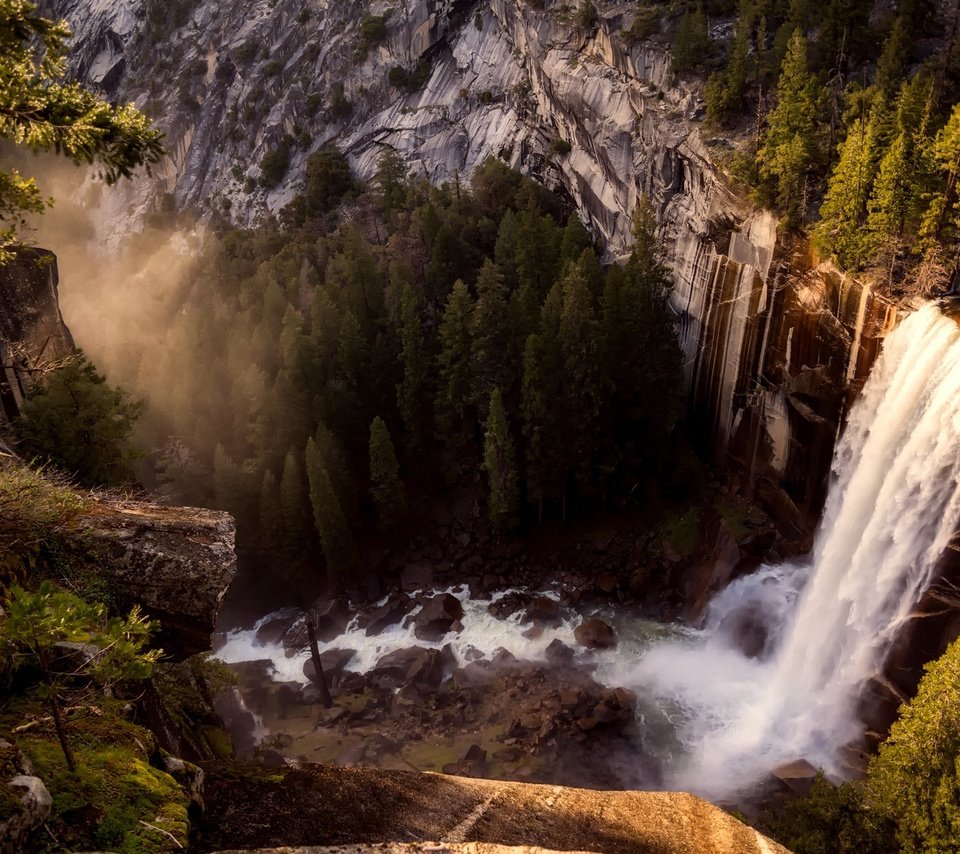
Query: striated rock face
point(772, 347)
point(32, 331)
point(319, 805)
point(176, 562)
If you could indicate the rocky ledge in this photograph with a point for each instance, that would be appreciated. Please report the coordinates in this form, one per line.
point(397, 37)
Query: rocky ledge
point(321, 805)
point(175, 562)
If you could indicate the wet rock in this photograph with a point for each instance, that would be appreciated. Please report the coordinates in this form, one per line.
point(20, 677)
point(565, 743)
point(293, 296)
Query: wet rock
point(503, 657)
point(607, 583)
point(330, 616)
point(717, 558)
point(535, 631)
point(595, 634)
point(388, 614)
point(437, 617)
point(797, 776)
point(333, 661)
point(542, 609)
point(273, 629)
point(558, 653)
point(423, 667)
point(746, 630)
point(189, 776)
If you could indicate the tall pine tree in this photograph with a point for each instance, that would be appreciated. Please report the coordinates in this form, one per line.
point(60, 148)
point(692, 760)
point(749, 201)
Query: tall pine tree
point(386, 489)
point(500, 464)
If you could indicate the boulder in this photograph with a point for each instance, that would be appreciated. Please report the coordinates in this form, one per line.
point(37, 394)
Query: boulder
point(416, 576)
point(189, 776)
point(388, 614)
point(595, 634)
point(437, 617)
point(175, 562)
point(797, 776)
point(559, 653)
point(333, 661)
point(274, 626)
point(542, 609)
point(423, 667)
point(717, 558)
point(330, 616)
point(30, 805)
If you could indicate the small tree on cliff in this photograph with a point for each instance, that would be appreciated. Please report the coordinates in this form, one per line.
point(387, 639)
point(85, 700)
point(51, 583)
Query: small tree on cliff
point(40, 110)
point(37, 622)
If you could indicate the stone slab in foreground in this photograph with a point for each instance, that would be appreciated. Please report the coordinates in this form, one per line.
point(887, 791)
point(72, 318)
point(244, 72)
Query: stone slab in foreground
point(175, 562)
point(316, 805)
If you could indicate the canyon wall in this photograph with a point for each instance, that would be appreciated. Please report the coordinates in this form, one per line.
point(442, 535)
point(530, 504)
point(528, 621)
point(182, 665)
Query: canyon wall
point(774, 350)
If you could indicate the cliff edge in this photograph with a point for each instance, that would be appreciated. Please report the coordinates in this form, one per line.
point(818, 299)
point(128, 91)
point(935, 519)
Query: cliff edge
point(316, 805)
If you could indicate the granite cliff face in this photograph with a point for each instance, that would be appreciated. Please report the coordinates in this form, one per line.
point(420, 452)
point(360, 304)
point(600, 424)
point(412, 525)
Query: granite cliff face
point(32, 331)
point(773, 348)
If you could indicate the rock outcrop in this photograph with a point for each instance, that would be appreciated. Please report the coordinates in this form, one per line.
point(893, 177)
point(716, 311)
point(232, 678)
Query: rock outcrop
point(32, 332)
point(176, 562)
point(318, 805)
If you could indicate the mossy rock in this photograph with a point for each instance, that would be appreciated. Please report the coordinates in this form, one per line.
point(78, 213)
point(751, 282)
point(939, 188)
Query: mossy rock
point(115, 800)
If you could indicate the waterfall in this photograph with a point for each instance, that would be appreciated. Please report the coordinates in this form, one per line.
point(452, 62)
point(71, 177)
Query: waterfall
point(829, 622)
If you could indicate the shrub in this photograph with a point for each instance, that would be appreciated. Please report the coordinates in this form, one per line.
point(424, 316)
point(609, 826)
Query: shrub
point(274, 165)
point(73, 420)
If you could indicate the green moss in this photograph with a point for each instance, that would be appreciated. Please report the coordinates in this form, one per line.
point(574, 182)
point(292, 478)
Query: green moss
point(115, 800)
point(219, 741)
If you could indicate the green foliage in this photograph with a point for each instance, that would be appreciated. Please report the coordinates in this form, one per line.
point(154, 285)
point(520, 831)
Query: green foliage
point(339, 550)
point(828, 820)
point(691, 42)
point(455, 377)
point(373, 30)
point(135, 805)
point(499, 462)
point(791, 145)
point(844, 209)
point(37, 621)
point(41, 111)
point(274, 164)
point(914, 781)
point(386, 488)
point(72, 419)
point(35, 624)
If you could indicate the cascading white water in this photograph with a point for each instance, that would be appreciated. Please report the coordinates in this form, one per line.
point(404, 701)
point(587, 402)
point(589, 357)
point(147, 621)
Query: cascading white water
point(893, 506)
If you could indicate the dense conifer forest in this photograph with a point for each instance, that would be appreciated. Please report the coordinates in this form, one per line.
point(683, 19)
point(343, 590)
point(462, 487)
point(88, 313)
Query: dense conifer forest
point(421, 336)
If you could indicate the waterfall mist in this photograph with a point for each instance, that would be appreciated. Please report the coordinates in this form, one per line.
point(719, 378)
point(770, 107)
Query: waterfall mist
point(826, 625)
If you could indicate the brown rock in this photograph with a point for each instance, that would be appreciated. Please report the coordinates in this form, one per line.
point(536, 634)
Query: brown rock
point(595, 634)
point(437, 617)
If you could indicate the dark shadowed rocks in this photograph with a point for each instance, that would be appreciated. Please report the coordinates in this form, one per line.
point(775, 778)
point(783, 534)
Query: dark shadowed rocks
point(437, 617)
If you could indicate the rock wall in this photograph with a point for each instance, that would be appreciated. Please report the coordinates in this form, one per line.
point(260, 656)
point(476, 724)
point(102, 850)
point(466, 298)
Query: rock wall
point(773, 348)
point(32, 331)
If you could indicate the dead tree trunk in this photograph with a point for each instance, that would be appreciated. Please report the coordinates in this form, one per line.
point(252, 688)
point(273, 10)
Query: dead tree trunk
point(319, 680)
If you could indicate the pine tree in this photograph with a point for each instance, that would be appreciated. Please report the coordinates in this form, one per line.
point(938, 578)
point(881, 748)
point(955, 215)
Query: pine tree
point(844, 207)
point(271, 515)
point(727, 89)
point(339, 550)
point(455, 392)
point(890, 201)
point(412, 391)
point(490, 334)
point(385, 486)
point(499, 462)
point(691, 43)
point(791, 145)
point(294, 508)
point(390, 180)
point(581, 379)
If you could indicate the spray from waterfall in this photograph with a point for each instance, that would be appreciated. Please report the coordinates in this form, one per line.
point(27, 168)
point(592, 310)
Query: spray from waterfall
point(892, 509)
